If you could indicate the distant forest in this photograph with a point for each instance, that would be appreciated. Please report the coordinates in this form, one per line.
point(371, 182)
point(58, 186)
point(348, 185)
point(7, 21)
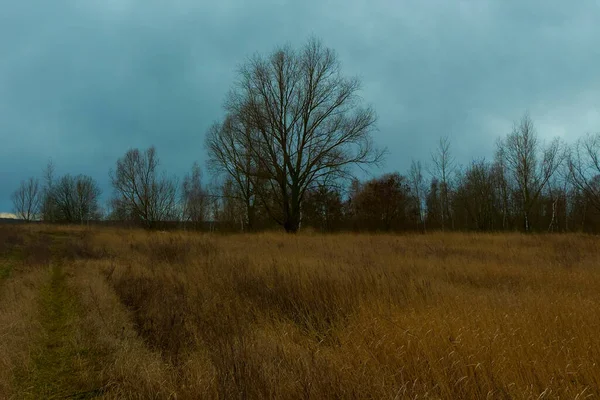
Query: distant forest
point(295, 130)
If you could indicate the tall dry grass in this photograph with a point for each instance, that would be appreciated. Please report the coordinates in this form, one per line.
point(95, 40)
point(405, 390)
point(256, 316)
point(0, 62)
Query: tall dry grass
point(22, 261)
point(184, 315)
point(355, 316)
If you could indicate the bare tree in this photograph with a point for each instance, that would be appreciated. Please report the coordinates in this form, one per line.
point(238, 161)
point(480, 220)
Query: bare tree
point(556, 198)
point(530, 165)
point(444, 165)
point(231, 215)
point(502, 183)
point(214, 204)
point(75, 199)
point(194, 199)
point(27, 199)
point(418, 187)
point(87, 193)
point(48, 207)
point(303, 125)
point(584, 166)
point(139, 190)
point(433, 217)
point(475, 195)
point(229, 147)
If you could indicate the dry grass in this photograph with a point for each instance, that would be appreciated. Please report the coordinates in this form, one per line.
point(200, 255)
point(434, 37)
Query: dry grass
point(343, 316)
point(18, 323)
point(18, 306)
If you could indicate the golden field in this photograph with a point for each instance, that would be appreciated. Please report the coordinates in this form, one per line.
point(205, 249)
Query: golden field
point(123, 314)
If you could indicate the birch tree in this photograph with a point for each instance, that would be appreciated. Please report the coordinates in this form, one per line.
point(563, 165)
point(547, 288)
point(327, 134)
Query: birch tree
point(530, 164)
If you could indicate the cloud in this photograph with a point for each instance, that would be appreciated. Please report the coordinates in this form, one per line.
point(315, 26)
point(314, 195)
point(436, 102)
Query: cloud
point(82, 82)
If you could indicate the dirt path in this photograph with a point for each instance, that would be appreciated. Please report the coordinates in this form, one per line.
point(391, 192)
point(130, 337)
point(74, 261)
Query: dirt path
point(63, 366)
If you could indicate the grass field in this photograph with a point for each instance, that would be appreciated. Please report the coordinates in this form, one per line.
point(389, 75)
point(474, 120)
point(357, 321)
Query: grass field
point(108, 313)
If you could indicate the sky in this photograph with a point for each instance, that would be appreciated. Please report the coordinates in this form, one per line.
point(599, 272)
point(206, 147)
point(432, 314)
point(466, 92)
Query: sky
point(81, 82)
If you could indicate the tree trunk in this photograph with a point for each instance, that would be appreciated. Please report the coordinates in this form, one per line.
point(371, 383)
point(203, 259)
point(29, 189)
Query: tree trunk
point(291, 223)
point(291, 226)
point(250, 211)
point(553, 219)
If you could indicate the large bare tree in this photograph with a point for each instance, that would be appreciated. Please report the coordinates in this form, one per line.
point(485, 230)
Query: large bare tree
point(141, 192)
point(27, 199)
point(530, 164)
point(302, 124)
point(584, 166)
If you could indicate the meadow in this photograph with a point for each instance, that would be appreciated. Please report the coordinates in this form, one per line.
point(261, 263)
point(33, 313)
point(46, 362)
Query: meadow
point(129, 314)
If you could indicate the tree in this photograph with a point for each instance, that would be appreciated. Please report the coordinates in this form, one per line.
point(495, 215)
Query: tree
point(300, 122)
point(75, 199)
point(231, 211)
point(555, 203)
point(584, 167)
point(87, 193)
point(48, 207)
point(194, 198)
point(530, 165)
point(68, 198)
point(322, 209)
point(384, 204)
point(418, 188)
point(443, 167)
point(584, 216)
point(475, 196)
point(433, 218)
point(140, 191)
point(27, 199)
point(228, 146)
point(502, 184)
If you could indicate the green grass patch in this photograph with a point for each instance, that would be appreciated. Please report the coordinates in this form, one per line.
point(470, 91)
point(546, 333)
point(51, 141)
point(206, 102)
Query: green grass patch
point(5, 269)
point(62, 366)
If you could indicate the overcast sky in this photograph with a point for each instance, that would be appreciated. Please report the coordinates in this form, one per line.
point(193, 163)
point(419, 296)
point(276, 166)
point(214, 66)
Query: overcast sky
point(82, 81)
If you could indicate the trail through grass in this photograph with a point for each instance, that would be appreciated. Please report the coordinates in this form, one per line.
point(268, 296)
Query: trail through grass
point(5, 269)
point(62, 366)
point(7, 263)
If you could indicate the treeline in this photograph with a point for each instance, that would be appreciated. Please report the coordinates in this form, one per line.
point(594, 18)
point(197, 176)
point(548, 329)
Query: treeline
point(294, 131)
point(540, 189)
point(526, 187)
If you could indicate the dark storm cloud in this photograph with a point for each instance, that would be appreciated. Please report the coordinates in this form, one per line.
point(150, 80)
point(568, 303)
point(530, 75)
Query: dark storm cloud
point(83, 81)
